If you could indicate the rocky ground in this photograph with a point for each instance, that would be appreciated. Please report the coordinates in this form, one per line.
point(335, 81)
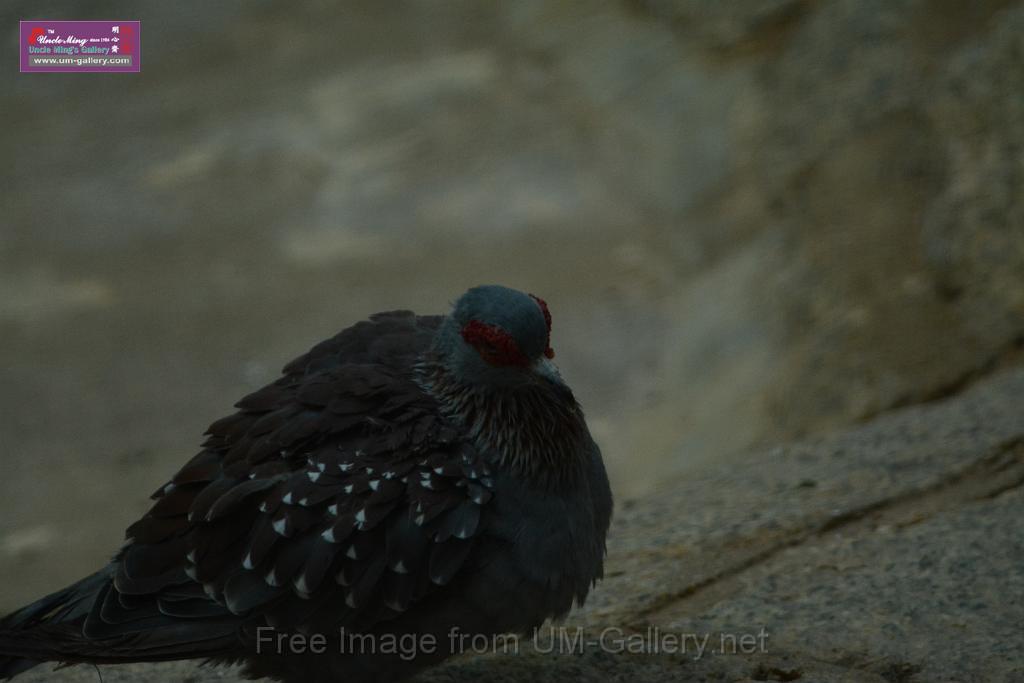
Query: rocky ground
point(757, 223)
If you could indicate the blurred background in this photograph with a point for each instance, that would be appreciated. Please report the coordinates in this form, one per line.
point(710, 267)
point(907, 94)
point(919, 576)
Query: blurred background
point(752, 221)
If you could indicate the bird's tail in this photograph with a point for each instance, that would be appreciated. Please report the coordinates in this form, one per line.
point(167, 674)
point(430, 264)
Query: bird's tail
point(24, 633)
point(90, 622)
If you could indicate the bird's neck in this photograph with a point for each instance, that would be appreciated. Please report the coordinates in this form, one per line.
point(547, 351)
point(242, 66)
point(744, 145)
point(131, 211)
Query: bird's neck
point(527, 430)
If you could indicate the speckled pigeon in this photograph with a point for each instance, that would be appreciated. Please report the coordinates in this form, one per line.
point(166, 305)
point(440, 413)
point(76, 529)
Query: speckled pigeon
point(413, 476)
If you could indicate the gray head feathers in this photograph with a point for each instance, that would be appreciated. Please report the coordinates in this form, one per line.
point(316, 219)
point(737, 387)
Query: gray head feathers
point(495, 335)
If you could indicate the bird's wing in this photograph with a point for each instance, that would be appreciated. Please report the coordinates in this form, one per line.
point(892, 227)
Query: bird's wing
point(337, 495)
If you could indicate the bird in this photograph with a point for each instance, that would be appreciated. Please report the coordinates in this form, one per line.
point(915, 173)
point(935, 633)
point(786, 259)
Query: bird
point(418, 477)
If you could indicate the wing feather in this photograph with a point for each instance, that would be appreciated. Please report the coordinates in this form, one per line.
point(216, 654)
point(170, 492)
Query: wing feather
point(338, 493)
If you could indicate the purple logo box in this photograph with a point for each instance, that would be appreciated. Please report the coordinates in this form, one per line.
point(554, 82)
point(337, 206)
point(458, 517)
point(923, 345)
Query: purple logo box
point(78, 46)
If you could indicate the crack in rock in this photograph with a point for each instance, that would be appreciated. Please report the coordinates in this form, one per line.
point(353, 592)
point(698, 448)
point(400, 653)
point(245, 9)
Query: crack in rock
point(992, 475)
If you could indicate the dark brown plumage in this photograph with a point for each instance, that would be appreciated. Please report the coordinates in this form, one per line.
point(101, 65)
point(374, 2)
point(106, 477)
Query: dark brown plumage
point(403, 477)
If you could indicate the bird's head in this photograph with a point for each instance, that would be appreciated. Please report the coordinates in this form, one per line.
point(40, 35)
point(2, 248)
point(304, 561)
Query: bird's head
point(500, 337)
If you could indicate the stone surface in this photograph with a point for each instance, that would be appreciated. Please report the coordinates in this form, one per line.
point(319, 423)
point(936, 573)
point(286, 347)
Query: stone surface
point(975, 228)
point(938, 598)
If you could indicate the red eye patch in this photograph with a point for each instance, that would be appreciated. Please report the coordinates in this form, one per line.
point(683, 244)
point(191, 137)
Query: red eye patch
point(495, 345)
point(548, 352)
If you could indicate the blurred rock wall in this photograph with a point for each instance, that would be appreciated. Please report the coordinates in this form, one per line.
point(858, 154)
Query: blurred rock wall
point(856, 240)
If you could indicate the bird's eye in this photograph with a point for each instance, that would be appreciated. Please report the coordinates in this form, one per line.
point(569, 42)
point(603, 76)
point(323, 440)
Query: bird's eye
point(495, 345)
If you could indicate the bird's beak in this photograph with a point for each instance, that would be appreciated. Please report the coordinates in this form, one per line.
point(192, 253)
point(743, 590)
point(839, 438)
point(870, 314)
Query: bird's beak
point(546, 369)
